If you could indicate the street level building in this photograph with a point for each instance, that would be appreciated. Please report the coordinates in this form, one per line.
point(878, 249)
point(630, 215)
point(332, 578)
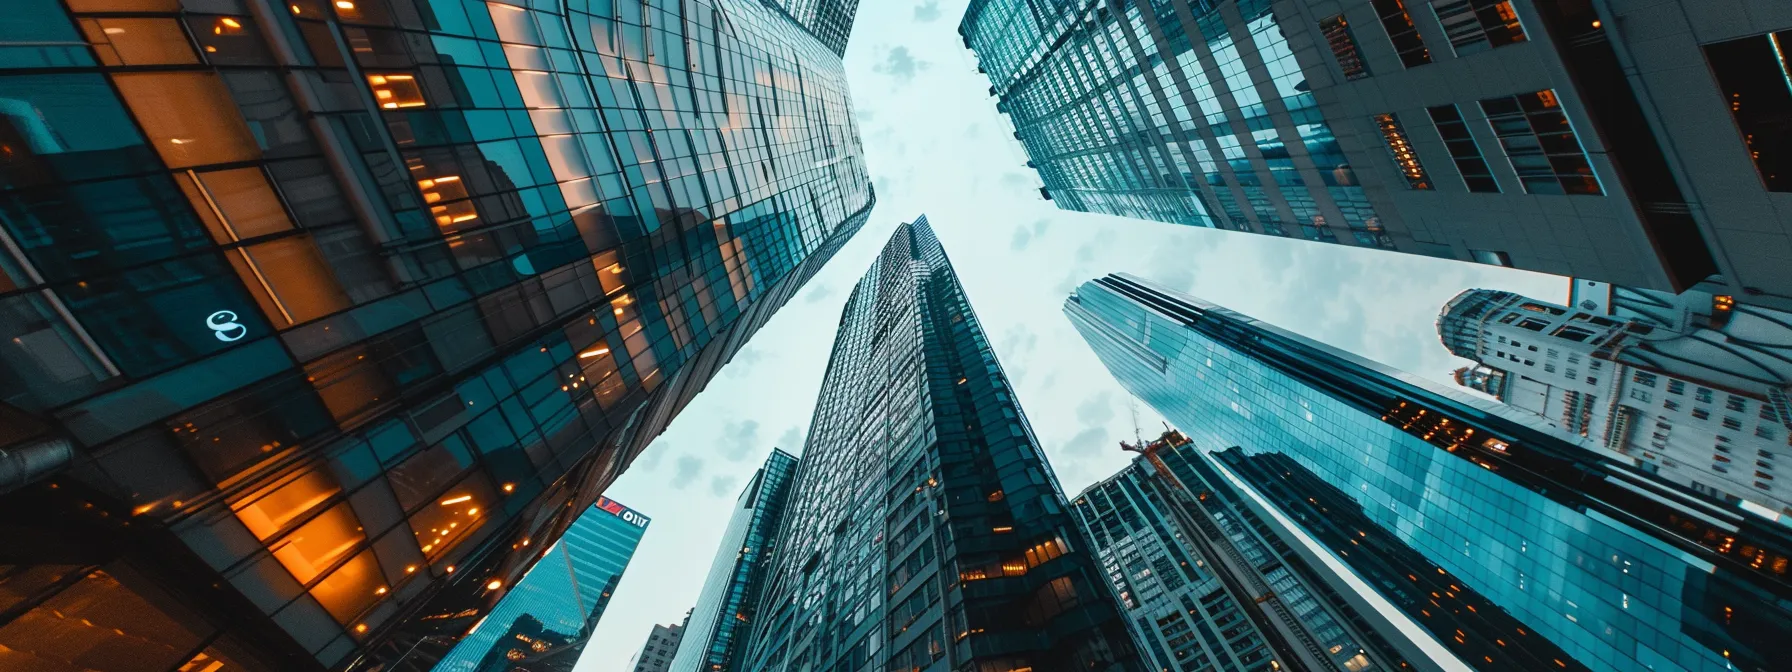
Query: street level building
point(1511, 543)
point(662, 645)
point(728, 604)
point(1638, 142)
point(318, 316)
point(924, 530)
point(543, 623)
point(1205, 584)
point(1694, 387)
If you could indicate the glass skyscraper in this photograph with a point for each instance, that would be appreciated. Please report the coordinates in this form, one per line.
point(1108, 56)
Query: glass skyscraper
point(347, 308)
point(1514, 545)
point(557, 605)
point(924, 530)
point(728, 604)
point(1206, 584)
point(1548, 135)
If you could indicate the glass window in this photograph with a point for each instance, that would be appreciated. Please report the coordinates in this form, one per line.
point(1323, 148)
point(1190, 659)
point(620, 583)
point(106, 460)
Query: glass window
point(1478, 25)
point(139, 41)
point(1540, 144)
point(289, 280)
point(271, 509)
point(426, 474)
point(452, 518)
point(319, 543)
point(1753, 73)
point(351, 588)
point(1470, 164)
point(1343, 44)
point(1400, 147)
point(1402, 32)
point(109, 620)
point(190, 117)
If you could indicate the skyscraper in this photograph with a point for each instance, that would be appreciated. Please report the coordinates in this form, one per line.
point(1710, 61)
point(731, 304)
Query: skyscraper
point(558, 603)
point(1539, 548)
point(662, 644)
point(728, 604)
point(924, 530)
point(1694, 387)
point(829, 20)
point(302, 284)
point(1637, 143)
point(1205, 584)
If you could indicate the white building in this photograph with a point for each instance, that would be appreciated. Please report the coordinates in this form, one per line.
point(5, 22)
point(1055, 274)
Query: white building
point(1693, 387)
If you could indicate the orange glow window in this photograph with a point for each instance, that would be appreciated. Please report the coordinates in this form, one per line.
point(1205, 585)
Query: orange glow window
point(394, 91)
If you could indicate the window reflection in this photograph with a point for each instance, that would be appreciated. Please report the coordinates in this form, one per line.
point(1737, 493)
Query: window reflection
point(394, 91)
point(271, 509)
point(352, 588)
point(189, 116)
point(138, 41)
point(453, 517)
point(316, 545)
point(101, 623)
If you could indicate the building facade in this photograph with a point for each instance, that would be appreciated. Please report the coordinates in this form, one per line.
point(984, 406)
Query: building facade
point(1205, 585)
point(301, 284)
point(543, 622)
point(728, 604)
point(661, 647)
point(924, 530)
point(1576, 138)
point(1541, 549)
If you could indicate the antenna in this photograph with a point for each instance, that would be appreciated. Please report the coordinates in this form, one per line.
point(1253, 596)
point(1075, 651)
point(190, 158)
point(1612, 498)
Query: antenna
point(1138, 435)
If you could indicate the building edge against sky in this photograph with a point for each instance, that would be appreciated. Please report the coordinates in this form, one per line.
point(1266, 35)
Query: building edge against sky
point(924, 529)
point(728, 603)
point(1629, 141)
point(1588, 555)
point(333, 313)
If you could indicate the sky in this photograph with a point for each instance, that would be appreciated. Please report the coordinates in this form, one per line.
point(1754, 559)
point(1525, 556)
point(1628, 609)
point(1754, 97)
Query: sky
point(935, 145)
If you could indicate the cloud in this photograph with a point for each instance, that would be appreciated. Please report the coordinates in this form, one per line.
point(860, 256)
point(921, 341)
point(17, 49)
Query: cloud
point(901, 65)
point(791, 440)
point(686, 471)
point(722, 486)
point(1022, 236)
point(927, 12)
point(973, 131)
point(1090, 441)
point(1013, 181)
point(1018, 341)
point(739, 439)
point(819, 294)
point(651, 456)
point(1096, 410)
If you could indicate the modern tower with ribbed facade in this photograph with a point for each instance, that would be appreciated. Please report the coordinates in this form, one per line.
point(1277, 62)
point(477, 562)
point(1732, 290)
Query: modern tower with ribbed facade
point(1636, 142)
point(317, 318)
point(1497, 539)
point(728, 604)
point(924, 530)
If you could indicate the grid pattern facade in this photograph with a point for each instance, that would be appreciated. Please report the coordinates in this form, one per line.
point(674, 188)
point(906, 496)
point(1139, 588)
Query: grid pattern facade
point(729, 602)
point(924, 530)
point(561, 598)
point(361, 302)
point(1604, 158)
point(662, 645)
point(828, 20)
point(1613, 572)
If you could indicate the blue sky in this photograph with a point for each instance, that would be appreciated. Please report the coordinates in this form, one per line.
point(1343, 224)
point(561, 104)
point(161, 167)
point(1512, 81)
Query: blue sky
point(935, 144)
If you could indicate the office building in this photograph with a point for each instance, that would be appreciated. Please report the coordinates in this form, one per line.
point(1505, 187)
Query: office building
point(1543, 548)
point(1694, 387)
point(542, 623)
point(924, 530)
point(728, 604)
point(828, 20)
point(1638, 142)
point(1206, 585)
point(292, 287)
point(662, 646)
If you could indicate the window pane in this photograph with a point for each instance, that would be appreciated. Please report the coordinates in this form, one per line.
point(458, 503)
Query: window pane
point(139, 41)
point(267, 512)
point(352, 588)
point(1753, 75)
point(319, 543)
point(190, 117)
point(101, 623)
point(446, 522)
point(425, 475)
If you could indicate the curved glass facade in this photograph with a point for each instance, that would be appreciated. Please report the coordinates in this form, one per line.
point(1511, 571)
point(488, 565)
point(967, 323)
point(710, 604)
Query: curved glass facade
point(1574, 558)
point(729, 601)
point(350, 307)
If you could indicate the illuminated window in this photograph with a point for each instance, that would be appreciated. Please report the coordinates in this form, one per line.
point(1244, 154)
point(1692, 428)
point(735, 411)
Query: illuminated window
point(319, 543)
point(447, 200)
point(190, 117)
point(452, 517)
point(1401, 149)
point(1401, 31)
point(1755, 75)
point(351, 588)
point(138, 41)
point(269, 510)
point(1478, 25)
point(1540, 144)
point(1337, 34)
point(395, 91)
point(1470, 164)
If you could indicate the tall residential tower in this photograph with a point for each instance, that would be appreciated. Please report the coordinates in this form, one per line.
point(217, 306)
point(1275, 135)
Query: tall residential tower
point(728, 605)
point(924, 530)
point(1638, 142)
point(320, 316)
point(1512, 544)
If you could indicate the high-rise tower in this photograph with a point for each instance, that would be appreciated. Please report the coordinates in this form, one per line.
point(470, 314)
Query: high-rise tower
point(1636, 142)
point(728, 605)
point(924, 530)
point(325, 308)
point(1515, 545)
point(1696, 393)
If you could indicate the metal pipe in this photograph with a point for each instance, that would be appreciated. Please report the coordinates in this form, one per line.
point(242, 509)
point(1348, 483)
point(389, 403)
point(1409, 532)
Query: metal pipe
point(26, 463)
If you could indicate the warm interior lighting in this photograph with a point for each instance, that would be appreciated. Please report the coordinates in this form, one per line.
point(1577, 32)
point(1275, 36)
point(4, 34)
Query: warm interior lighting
point(451, 569)
point(410, 569)
point(494, 585)
point(380, 591)
point(1002, 530)
point(361, 627)
point(596, 352)
point(510, 487)
point(344, 4)
point(457, 500)
point(394, 91)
